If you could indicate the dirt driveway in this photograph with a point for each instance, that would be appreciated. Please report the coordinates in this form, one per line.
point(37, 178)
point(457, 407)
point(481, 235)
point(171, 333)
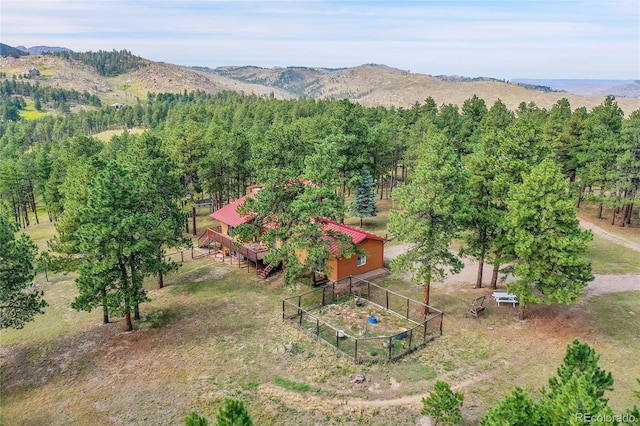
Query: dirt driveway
point(602, 283)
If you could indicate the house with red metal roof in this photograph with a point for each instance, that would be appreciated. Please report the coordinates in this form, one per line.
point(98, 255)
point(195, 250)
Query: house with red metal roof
point(371, 245)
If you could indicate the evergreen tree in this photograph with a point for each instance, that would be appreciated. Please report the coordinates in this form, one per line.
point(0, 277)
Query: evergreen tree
point(125, 224)
point(364, 201)
point(195, 419)
point(546, 239)
point(18, 303)
point(575, 397)
point(443, 405)
point(517, 409)
point(573, 403)
point(428, 214)
point(290, 212)
point(233, 413)
point(601, 145)
point(582, 360)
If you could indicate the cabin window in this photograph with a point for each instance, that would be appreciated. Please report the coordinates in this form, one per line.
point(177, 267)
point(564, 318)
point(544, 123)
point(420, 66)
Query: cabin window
point(362, 260)
point(230, 231)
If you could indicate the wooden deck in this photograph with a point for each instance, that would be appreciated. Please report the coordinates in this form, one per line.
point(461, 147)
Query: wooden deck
point(253, 252)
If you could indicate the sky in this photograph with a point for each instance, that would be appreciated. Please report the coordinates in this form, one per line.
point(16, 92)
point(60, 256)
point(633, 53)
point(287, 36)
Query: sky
point(501, 39)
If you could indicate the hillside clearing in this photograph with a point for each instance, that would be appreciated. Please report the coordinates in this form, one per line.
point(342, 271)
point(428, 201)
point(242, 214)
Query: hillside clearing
point(215, 330)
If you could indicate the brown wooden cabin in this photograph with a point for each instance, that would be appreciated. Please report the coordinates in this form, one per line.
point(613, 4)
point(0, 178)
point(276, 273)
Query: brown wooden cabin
point(336, 267)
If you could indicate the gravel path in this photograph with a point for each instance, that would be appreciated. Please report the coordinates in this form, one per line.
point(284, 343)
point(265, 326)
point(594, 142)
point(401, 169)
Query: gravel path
point(609, 236)
point(602, 283)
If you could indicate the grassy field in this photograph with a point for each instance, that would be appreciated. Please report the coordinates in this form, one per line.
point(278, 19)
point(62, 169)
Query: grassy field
point(30, 113)
point(215, 331)
point(607, 257)
point(106, 135)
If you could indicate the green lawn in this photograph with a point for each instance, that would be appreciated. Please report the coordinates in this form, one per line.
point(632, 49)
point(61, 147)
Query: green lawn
point(610, 258)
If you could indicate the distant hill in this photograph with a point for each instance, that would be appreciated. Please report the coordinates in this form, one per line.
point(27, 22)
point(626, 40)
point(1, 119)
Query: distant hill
point(370, 84)
point(581, 87)
point(374, 85)
point(6, 50)
point(39, 50)
point(298, 81)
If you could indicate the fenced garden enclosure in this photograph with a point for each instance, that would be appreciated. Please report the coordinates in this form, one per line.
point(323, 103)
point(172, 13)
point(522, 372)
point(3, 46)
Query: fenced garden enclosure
point(363, 320)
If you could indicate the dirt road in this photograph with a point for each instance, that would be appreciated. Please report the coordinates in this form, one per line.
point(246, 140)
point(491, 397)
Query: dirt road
point(602, 283)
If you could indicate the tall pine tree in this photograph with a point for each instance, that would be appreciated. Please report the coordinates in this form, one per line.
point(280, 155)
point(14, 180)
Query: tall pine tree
point(18, 304)
point(428, 214)
point(548, 246)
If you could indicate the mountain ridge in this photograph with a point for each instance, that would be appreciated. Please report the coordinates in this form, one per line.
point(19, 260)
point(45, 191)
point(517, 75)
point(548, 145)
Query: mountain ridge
point(368, 84)
point(39, 50)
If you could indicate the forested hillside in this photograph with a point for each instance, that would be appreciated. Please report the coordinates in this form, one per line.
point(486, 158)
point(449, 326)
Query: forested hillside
point(222, 135)
point(218, 144)
point(121, 77)
point(502, 181)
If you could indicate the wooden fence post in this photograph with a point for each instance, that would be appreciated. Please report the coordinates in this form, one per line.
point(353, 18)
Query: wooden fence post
point(355, 355)
point(410, 338)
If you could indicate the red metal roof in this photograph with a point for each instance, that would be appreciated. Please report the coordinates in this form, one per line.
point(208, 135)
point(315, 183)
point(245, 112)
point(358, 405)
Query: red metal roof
point(356, 235)
point(229, 214)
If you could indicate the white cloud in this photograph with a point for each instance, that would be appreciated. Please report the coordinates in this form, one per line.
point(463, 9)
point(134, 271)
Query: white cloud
point(500, 39)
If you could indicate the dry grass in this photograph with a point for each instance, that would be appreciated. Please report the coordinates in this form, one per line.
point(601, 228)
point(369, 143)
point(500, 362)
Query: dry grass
point(107, 135)
point(214, 330)
point(369, 85)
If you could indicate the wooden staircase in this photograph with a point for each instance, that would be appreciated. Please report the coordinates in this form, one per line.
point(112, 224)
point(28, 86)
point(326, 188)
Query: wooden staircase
point(264, 272)
point(205, 243)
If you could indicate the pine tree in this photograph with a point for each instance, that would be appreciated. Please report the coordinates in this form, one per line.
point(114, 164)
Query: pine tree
point(428, 214)
point(233, 413)
point(364, 201)
point(18, 304)
point(443, 405)
point(545, 236)
point(575, 397)
point(517, 409)
point(294, 201)
point(582, 360)
point(195, 419)
point(573, 404)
